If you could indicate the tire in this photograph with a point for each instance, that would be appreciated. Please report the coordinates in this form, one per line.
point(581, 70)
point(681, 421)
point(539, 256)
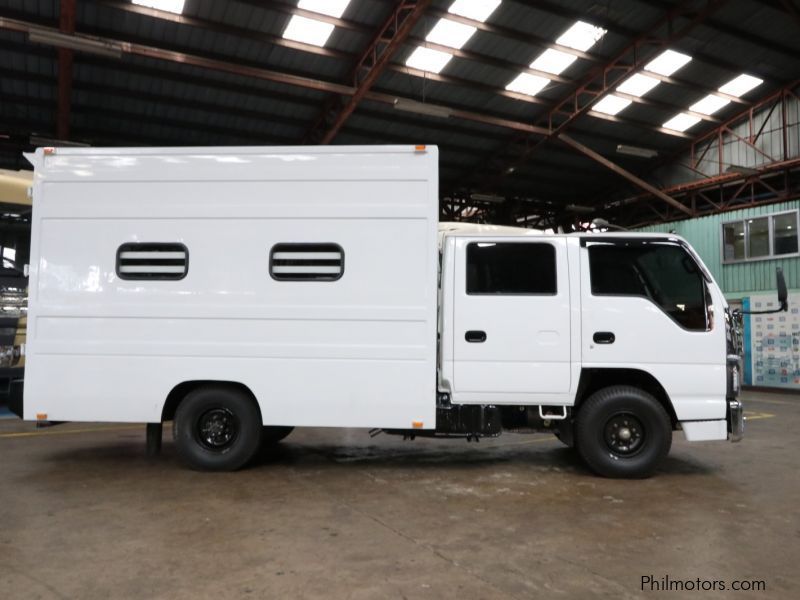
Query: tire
point(623, 432)
point(217, 428)
point(272, 434)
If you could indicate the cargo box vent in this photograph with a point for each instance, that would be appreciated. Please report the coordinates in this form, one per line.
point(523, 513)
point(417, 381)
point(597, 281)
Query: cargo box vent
point(306, 262)
point(152, 261)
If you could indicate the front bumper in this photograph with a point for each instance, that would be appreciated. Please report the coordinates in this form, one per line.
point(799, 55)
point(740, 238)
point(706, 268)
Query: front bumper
point(735, 411)
point(735, 420)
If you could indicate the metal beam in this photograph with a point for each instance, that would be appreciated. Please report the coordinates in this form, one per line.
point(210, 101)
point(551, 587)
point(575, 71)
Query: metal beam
point(728, 190)
point(792, 9)
point(512, 67)
point(739, 33)
point(623, 173)
point(66, 24)
point(372, 63)
point(604, 78)
point(217, 27)
point(556, 8)
point(624, 65)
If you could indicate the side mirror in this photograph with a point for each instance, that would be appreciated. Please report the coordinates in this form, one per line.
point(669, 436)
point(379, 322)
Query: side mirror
point(783, 298)
point(783, 295)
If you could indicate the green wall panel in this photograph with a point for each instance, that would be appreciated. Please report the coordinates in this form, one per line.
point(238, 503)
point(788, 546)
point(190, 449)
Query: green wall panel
point(737, 279)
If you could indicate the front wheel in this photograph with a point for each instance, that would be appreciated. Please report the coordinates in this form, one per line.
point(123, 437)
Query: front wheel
point(217, 428)
point(623, 431)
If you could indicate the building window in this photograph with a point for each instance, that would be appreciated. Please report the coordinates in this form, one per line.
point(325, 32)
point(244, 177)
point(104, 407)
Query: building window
point(152, 261)
point(511, 268)
point(306, 262)
point(664, 273)
point(760, 238)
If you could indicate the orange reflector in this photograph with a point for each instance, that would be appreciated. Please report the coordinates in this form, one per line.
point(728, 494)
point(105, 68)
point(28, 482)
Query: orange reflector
point(416, 424)
point(49, 150)
point(420, 148)
point(41, 416)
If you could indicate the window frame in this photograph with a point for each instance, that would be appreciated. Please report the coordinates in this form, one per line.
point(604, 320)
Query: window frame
point(518, 294)
point(293, 246)
point(771, 229)
point(704, 277)
point(130, 246)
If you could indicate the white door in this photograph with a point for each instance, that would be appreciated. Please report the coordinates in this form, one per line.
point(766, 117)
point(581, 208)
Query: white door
point(511, 320)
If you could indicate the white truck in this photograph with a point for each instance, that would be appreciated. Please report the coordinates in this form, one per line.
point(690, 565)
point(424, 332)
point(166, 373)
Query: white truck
point(241, 292)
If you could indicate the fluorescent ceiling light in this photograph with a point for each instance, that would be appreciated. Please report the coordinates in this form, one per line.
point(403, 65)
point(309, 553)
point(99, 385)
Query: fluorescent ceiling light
point(80, 43)
point(527, 84)
point(450, 33)
point(426, 59)
point(611, 105)
point(667, 62)
point(553, 61)
point(173, 6)
point(709, 105)
point(581, 36)
point(741, 85)
point(638, 85)
point(681, 122)
point(479, 10)
point(636, 151)
point(308, 31)
point(332, 8)
point(422, 108)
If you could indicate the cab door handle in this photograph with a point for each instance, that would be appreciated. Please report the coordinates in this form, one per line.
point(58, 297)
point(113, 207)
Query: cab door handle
point(604, 337)
point(475, 337)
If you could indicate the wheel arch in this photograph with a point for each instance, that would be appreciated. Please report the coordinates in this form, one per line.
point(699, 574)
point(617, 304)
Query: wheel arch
point(181, 390)
point(592, 380)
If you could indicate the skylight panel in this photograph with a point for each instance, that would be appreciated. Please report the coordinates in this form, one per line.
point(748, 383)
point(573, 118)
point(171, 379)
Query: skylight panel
point(553, 61)
point(667, 62)
point(528, 84)
point(709, 105)
point(173, 6)
point(681, 122)
point(308, 31)
point(332, 8)
point(479, 10)
point(450, 33)
point(611, 105)
point(741, 85)
point(581, 36)
point(427, 59)
point(638, 85)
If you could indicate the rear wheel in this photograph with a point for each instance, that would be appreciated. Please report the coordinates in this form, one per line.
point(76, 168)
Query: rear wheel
point(623, 431)
point(272, 434)
point(217, 428)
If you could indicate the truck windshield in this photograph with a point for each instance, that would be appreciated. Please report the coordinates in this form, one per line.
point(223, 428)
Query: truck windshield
point(663, 272)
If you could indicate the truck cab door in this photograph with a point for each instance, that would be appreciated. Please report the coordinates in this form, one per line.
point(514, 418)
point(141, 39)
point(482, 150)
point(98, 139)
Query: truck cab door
point(511, 320)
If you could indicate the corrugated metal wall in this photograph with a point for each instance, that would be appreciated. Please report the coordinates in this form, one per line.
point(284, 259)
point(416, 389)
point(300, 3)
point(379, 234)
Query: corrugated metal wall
point(736, 279)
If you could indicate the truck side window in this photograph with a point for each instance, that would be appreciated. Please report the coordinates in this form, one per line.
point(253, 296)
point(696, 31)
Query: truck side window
point(152, 261)
point(663, 272)
point(306, 262)
point(511, 268)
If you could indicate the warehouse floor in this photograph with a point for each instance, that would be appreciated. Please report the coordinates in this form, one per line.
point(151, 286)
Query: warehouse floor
point(335, 514)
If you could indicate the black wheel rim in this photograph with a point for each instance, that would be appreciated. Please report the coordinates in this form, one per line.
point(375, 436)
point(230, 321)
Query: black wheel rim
point(624, 434)
point(217, 429)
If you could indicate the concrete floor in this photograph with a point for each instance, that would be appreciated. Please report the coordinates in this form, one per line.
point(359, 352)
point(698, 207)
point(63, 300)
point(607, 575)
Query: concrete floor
point(335, 514)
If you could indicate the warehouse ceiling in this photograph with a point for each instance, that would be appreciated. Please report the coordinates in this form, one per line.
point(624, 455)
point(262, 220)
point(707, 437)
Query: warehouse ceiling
point(541, 108)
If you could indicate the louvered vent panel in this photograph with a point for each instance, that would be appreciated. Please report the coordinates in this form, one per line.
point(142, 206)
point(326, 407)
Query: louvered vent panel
point(306, 262)
point(152, 261)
